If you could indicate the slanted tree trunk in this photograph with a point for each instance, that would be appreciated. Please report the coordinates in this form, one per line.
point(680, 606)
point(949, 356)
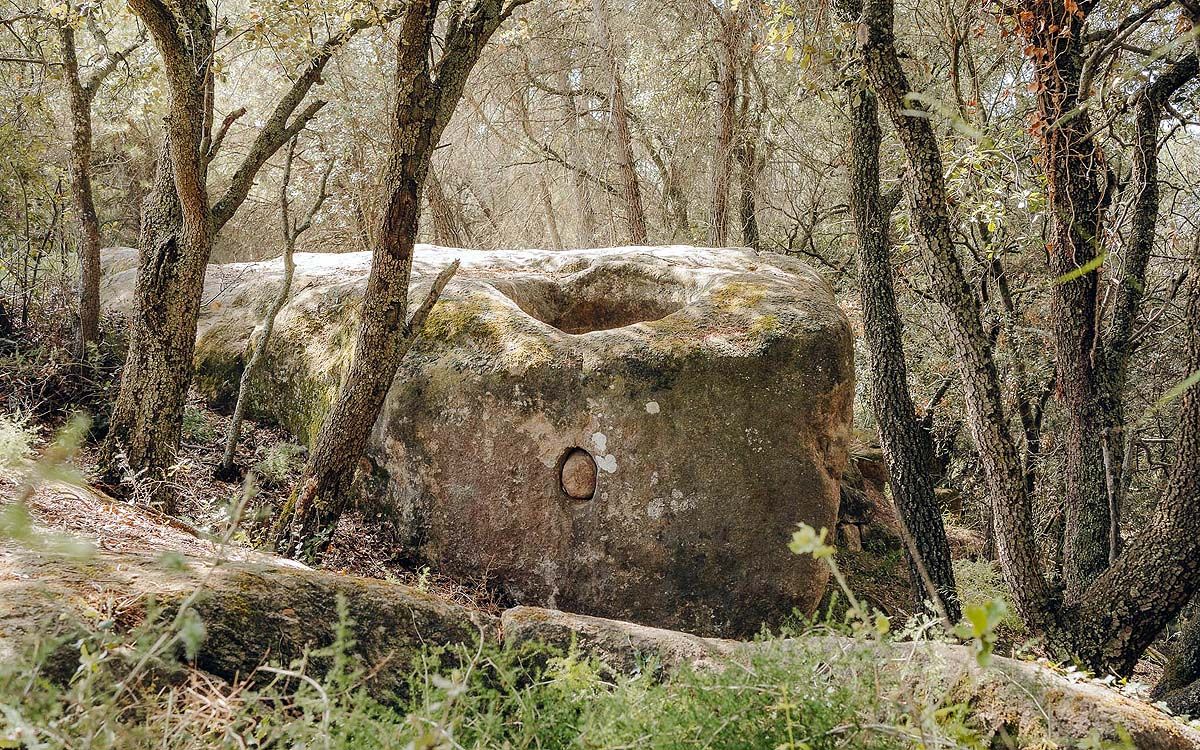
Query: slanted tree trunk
point(907, 445)
point(425, 100)
point(178, 227)
point(291, 231)
point(635, 215)
point(1011, 508)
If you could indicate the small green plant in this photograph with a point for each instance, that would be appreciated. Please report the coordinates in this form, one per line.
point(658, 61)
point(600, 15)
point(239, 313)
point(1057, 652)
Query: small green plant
point(281, 461)
point(196, 428)
point(808, 541)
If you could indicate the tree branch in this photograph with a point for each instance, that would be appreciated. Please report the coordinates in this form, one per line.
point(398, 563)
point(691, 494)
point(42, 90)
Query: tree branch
point(276, 132)
point(417, 322)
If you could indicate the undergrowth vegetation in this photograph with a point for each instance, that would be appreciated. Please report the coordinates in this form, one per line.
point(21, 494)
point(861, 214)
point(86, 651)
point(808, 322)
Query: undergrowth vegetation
point(134, 690)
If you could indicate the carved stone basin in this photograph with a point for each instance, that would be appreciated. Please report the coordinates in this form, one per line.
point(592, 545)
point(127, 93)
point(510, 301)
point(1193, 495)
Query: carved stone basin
point(631, 432)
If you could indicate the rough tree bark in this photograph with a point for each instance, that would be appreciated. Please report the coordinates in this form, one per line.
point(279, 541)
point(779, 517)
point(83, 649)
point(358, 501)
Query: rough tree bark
point(291, 231)
point(907, 445)
point(426, 95)
point(80, 93)
point(176, 240)
point(178, 227)
point(635, 214)
point(1119, 615)
point(1180, 683)
point(1118, 344)
point(1158, 572)
point(1010, 504)
point(1077, 179)
point(727, 55)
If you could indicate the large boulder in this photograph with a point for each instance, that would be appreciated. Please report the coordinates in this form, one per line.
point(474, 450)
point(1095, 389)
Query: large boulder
point(628, 432)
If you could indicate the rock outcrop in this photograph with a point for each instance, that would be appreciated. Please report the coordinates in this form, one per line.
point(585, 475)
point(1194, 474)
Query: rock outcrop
point(630, 432)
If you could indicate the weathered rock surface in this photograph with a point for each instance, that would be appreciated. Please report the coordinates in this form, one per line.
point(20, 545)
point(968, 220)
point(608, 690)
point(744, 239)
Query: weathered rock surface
point(630, 433)
point(252, 612)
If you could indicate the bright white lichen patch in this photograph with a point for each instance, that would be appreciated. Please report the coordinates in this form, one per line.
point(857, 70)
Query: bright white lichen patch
point(652, 407)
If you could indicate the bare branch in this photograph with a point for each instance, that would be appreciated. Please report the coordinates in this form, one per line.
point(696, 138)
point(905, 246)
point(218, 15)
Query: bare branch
point(417, 322)
point(276, 132)
point(322, 196)
point(110, 62)
point(222, 131)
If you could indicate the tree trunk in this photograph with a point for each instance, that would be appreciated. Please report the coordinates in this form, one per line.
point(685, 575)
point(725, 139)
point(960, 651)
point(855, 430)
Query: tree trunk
point(1118, 344)
point(178, 227)
point(1010, 504)
point(1076, 177)
point(727, 48)
point(1180, 683)
point(425, 101)
point(582, 191)
point(291, 232)
point(635, 215)
point(447, 229)
point(1158, 573)
point(176, 241)
point(548, 210)
point(907, 445)
point(80, 100)
point(750, 166)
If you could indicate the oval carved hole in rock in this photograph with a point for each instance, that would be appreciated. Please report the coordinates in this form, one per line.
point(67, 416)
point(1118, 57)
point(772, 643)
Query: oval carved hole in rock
point(577, 474)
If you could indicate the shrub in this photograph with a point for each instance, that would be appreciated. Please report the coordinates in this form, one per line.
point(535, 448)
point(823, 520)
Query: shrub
point(17, 439)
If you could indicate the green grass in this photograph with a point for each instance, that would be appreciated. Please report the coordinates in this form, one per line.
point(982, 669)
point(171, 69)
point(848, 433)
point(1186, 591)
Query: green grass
point(129, 692)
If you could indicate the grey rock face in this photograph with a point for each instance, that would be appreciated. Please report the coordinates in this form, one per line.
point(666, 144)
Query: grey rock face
point(629, 432)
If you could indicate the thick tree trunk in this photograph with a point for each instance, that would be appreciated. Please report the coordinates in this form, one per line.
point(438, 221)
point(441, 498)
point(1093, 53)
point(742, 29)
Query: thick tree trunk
point(176, 241)
point(80, 100)
point(1158, 573)
point(425, 101)
point(998, 454)
point(635, 214)
point(1180, 683)
point(907, 445)
point(178, 227)
point(1076, 184)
